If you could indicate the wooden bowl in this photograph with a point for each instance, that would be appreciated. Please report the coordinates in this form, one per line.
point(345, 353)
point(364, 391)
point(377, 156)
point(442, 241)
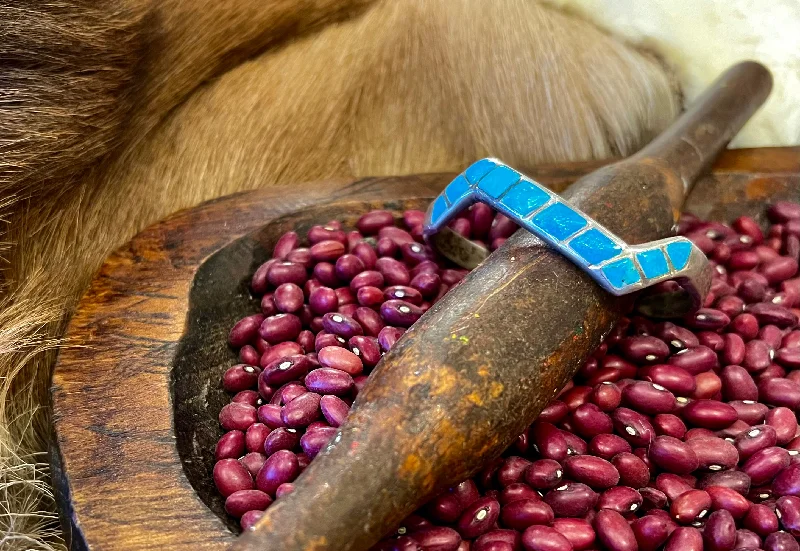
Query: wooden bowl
point(137, 394)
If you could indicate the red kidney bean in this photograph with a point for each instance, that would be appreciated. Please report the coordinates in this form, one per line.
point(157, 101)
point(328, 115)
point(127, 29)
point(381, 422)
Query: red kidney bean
point(719, 533)
point(788, 357)
point(653, 500)
point(249, 355)
point(672, 485)
point(757, 356)
point(608, 445)
point(348, 266)
point(286, 369)
point(231, 476)
point(386, 248)
point(735, 480)
point(549, 441)
point(690, 506)
point(589, 421)
point(779, 392)
point(632, 470)
point(240, 377)
point(745, 325)
point(231, 445)
point(400, 313)
point(781, 541)
point(249, 397)
point(779, 269)
point(340, 358)
point(526, 512)
point(642, 349)
point(301, 411)
point(577, 531)
point(755, 439)
point(592, 471)
point(288, 297)
point(708, 319)
point(695, 360)
point(575, 444)
point(370, 321)
point(245, 330)
point(268, 307)
point(398, 235)
point(444, 508)
point(307, 341)
point(478, 518)
point(279, 468)
point(765, 464)
point(571, 499)
point(749, 411)
point(747, 539)
point(323, 300)
point(743, 260)
point(671, 377)
point(651, 531)
point(709, 414)
point(366, 348)
point(270, 415)
point(733, 350)
point(369, 296)
point(737, 384)
point(327, 339)
point(708, 386)
point(437, 538)
point(729, 500)
point(239, 503)
point(325, 272)
point(673, 455)
point(388, 336)
point(346, 300)
point(544, 474)
point(731, 432)
point(761, 520)
point(280, 438)
point(575, 396)
point(622, 499)
point(280, 327)
point(372, 222)
point(714, 454)
point(404, 293)
point(544, 538)
point(554, 412)
point(712, 340)
point(237, 416)
point(614, 532)
point(301, 256)
point(669, 425)
point(366, 254)
point(633, 426)
point(327, 250)
point(255, 436)
point(426, 284)
point(250, 519)
point(487, 541)
point(731, 305)
point(787, 482)
point(783, 211)
point(512, 470)
point(334, 409)
point(314, 440)
point(414, 253)
point(517, 491)
point(650, 398)
point(286, 272)
point(287, 393)
point(607, 396)
point(788, 512)
point(342, 325)
point(466, 492)
point(394, 272)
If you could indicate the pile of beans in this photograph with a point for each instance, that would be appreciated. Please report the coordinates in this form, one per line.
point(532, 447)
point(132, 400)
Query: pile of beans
point(679, 435)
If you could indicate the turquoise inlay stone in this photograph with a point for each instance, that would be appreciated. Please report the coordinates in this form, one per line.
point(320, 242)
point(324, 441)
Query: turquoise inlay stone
point(524, 198)
point(498, 180)
point(457, 189)
point(679, 253)
point(594, 246)
point(438, 209)
point(653, 263)
point(478, 170)
point(621, 273)
point(559, 221)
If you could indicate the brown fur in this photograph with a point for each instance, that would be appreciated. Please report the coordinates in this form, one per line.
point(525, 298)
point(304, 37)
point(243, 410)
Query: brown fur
point(120, 112)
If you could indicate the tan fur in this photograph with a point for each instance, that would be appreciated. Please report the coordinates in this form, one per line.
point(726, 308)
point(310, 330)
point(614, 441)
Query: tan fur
point(209, 98)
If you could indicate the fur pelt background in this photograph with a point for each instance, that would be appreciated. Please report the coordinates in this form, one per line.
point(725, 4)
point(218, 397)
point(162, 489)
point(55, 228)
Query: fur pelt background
point(115, 113)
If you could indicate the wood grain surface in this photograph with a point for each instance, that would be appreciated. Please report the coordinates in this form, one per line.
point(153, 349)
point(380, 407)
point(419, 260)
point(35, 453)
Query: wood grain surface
point(137, 393)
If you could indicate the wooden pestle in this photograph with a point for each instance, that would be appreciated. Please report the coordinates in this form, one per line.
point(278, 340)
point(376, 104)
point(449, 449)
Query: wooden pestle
point(480, 365)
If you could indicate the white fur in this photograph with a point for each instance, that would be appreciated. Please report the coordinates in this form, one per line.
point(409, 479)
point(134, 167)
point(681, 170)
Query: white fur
point(701, 38)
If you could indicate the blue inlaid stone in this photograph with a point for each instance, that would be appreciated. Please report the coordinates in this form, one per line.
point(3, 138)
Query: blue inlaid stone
point(559, 221)
point(653, 263)
point(438, 209)
point(457, 189)
point(499, 180)
point(621, 273)
point(524, 198)
point(478, 170)
point(679, 253)
point(594, 246)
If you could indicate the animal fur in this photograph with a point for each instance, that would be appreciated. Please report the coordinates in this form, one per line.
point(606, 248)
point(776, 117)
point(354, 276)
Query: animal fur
point(116, 113)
